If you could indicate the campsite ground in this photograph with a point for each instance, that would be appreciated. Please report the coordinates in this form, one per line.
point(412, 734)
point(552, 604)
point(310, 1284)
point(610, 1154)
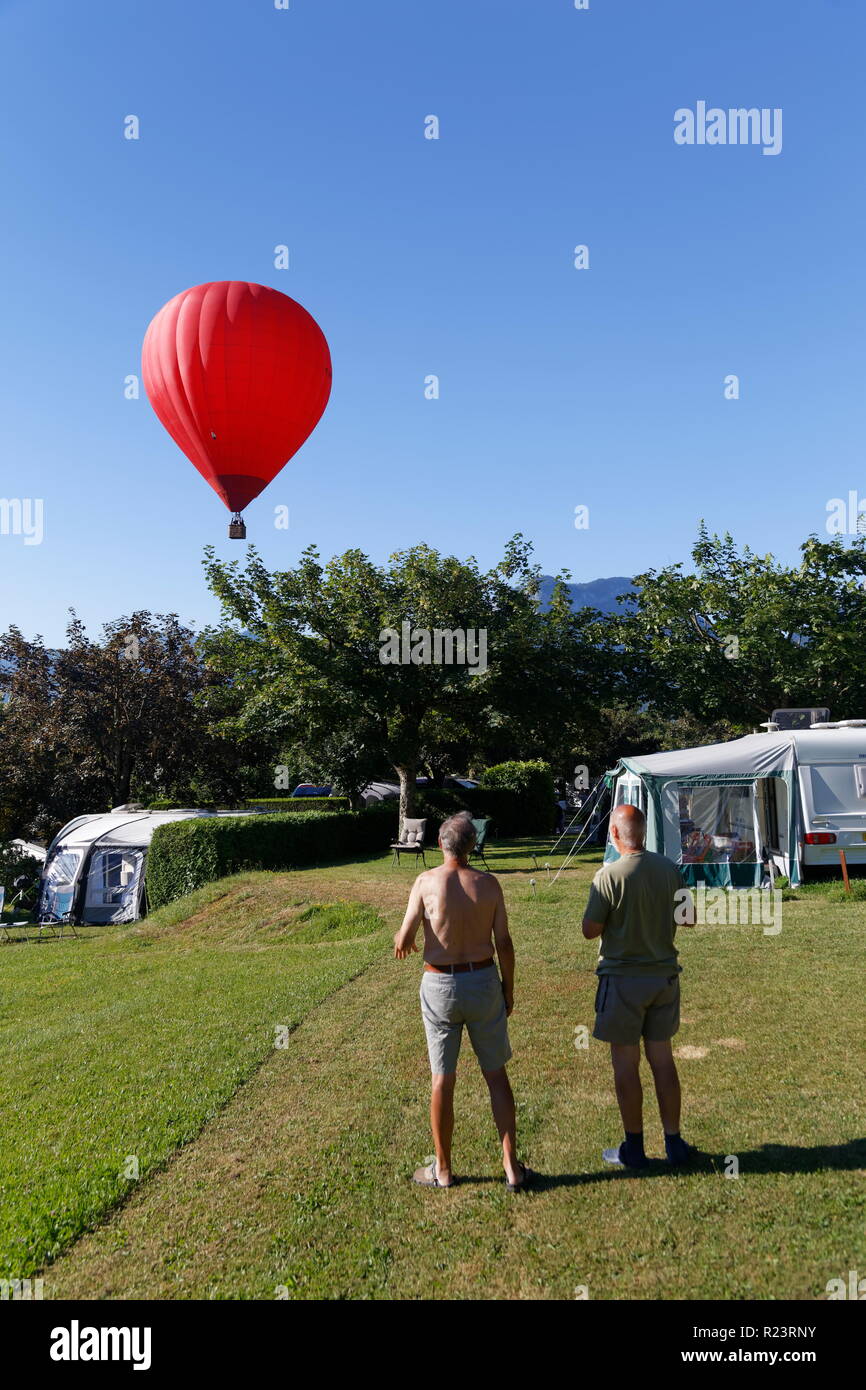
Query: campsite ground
point(266, 1168)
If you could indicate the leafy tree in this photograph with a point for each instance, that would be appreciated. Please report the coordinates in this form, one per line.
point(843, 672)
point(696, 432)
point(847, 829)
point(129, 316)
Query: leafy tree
point(304, 650)
point(86, 725)
point(744, 634)
point(621, 730)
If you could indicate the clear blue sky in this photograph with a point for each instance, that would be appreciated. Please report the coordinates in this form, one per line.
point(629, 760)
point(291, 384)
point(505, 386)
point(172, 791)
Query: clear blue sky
point(601, 387)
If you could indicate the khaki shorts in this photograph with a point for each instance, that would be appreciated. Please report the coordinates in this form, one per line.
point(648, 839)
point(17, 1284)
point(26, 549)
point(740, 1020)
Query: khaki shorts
point(472, 998)
point(631, 1007)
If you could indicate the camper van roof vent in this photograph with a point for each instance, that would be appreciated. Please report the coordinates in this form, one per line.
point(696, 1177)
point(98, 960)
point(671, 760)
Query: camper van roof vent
point(800, 718)
point(128, 806)
point(770, 725)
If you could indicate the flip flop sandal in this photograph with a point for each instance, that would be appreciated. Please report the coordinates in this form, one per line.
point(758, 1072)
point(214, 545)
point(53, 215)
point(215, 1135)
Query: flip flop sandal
point(426, 1177)
point(525, 1181)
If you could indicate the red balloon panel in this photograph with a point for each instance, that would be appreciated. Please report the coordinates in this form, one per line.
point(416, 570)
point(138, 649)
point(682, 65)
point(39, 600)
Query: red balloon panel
point(239, 374)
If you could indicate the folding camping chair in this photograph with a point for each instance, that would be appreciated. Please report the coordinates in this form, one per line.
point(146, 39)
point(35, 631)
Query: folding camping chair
point(411, 841)
point(482, 826)
point(4, 925)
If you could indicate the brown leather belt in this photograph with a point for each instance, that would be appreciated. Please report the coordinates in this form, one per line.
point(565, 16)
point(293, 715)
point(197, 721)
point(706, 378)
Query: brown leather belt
point(459, 969)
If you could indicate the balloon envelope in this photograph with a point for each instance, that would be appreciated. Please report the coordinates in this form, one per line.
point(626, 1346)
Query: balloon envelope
point(239, 374)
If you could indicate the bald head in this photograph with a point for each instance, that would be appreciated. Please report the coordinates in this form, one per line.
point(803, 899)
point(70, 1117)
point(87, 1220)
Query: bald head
point(628, 827)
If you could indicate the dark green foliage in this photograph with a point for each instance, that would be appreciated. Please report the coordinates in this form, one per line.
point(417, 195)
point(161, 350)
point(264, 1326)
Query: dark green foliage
point(533, 797)
point(186, 854)
point(290, 804)
point(165, 804)
point(518, 798)
point(14, 863)
point(294, 804)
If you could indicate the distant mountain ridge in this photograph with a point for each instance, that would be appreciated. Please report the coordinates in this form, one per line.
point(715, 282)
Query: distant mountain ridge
point(596, 593)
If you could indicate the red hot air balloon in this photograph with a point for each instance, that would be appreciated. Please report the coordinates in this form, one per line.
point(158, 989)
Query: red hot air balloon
point(239, 375)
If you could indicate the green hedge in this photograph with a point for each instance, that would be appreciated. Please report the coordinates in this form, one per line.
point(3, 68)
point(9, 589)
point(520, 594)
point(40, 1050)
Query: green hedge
point(529, 786)
point(294, 804)
point(185, 854)
point(517, 797)
point(291, 804)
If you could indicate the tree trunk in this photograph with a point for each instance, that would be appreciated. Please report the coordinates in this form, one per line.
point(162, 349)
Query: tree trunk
point(407, 794)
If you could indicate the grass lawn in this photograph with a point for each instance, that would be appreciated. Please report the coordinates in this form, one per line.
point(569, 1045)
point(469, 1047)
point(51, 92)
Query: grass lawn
point(271, 1171)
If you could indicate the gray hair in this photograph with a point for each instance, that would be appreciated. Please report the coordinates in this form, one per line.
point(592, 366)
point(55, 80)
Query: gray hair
point(457, 835)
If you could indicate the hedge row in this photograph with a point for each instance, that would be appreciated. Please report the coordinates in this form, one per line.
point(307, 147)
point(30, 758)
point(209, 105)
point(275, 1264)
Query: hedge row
point(184, 855)
point(517, 797)
point(291, 804)
point(294, 804)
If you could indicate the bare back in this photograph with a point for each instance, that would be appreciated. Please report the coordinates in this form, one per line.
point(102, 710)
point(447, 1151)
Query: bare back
point(460, 909)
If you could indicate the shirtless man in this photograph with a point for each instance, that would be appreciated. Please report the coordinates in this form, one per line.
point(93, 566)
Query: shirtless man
point(463, 913)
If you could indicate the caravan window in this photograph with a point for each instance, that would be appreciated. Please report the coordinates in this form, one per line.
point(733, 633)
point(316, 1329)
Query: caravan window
point(717, 824)
point(833, 787)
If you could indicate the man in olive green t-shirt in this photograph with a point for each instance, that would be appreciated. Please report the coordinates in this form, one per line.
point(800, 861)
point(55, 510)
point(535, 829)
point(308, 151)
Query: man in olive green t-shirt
point(631, 907)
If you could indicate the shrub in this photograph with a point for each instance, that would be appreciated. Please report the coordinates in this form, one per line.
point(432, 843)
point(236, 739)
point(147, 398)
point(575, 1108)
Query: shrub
point(186, 854)
point(514, 810)
point(14, 862)
point(294, 804)
point(532, 802)
point(290, 804)
point(165, 805)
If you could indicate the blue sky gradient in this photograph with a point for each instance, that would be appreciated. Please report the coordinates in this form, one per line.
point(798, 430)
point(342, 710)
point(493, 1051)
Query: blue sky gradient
point(559, 387)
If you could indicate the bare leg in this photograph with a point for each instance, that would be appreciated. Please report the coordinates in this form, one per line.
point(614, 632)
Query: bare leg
point(442, 1122)
point(667, 1083)
point(502, 1103)
point(626, 1076)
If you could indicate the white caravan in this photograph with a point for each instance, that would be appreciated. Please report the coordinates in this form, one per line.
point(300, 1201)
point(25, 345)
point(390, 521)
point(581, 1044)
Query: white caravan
point(94, 868)
point(793, 797)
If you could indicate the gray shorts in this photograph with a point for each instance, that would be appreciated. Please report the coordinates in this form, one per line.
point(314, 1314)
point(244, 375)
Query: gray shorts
point(631, 1007)
point(473, 997)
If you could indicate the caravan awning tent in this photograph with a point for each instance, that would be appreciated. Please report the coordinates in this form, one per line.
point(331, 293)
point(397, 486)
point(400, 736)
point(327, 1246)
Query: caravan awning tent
point(95, 865)
point(718, 810)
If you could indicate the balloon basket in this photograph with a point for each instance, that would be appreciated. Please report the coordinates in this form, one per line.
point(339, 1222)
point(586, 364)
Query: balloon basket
point(237, 528)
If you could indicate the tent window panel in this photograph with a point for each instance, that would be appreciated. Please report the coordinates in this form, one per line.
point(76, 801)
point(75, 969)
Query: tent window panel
point(628, 793)
point(717, 824)
point(58, 884)
point(113, 877)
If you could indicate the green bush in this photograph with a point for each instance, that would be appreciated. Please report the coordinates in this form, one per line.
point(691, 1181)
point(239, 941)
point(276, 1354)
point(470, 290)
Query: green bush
point(290, 804)
point(185, 854)
point(294, 804)
point(526, 808)
point(14, 862)
point(531, 807)
point(166, 805)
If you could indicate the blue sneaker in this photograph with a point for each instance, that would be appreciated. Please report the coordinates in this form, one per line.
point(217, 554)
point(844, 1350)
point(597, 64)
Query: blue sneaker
point(622, 1158)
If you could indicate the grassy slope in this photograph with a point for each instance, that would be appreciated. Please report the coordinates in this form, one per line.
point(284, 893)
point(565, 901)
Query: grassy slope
point(301, 1180)
point(127, 1043)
